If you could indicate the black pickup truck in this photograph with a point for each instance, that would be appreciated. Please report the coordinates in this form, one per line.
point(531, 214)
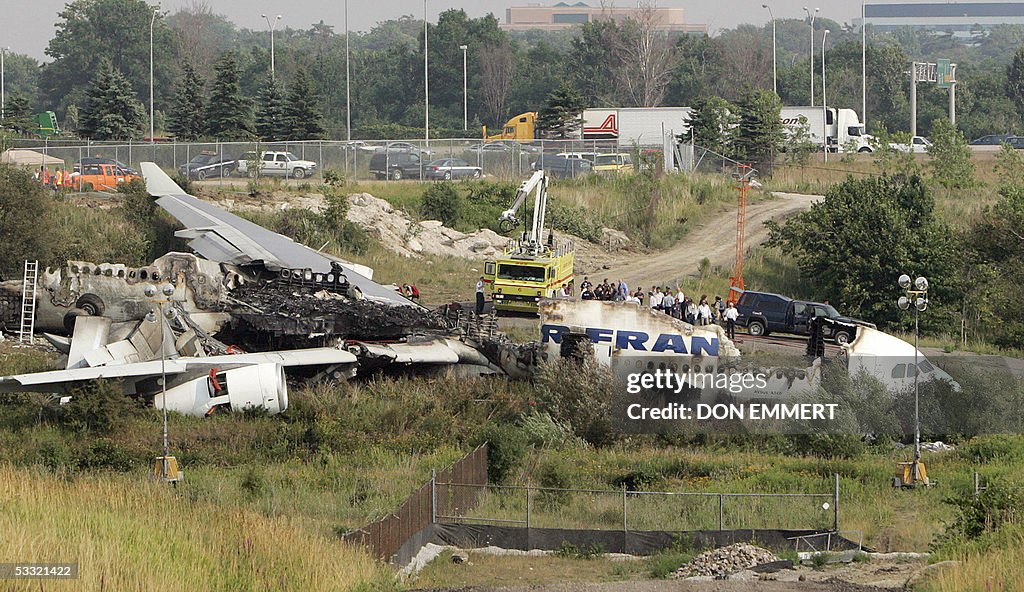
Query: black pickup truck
point(763, 313)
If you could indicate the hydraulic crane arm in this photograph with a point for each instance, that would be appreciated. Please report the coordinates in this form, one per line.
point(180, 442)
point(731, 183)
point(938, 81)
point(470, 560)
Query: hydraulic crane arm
point(509, 218)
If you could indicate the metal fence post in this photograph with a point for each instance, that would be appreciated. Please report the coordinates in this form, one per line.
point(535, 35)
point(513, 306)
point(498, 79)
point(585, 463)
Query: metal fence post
point(835, 504)
point(721, 512)
point(529, 500)
point(433, 496)
point(624, 528)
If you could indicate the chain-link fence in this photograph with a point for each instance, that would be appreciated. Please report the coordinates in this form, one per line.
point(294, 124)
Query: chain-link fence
point(356, 160)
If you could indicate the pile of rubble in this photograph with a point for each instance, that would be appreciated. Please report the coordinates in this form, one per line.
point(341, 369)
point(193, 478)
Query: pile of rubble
point(725, 560)
point(399, 233)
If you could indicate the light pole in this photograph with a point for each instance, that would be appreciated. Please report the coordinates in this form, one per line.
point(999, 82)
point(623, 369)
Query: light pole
point(775, 75)
point(810, 16)
point(863, 67)
point(426, 81)
point(465, 90)
point(3, 90)
point(348, 82)
point(167, 290)
point(916, 295)
point(273, 26)
point(152, 125)
point(824, 106)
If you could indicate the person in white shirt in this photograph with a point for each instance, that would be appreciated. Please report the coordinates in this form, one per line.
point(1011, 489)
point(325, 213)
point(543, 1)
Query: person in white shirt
point(480, 296)
point(656, 298)
point(703, 312)
point(730, 314)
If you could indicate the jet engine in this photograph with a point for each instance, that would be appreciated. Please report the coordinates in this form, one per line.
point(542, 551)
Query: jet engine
point(257, 386)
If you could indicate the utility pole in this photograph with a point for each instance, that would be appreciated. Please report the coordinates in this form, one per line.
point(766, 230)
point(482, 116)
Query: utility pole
point(465, 89)
point(824, 105)
point(863, 66)
point(152, 125)
point(426, 80)
point(810, 16)
point(775, 72)
point(272, 25)
point(348, 82)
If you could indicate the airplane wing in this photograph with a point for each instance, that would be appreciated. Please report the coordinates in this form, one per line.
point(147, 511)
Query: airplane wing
point(63, 380)
point(226, 238)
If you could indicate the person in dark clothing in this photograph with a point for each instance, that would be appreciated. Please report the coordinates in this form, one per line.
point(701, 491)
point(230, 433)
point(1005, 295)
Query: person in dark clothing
point(480, 296)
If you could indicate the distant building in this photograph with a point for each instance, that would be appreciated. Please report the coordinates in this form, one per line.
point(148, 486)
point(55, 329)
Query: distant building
point(564, 16)
point(961, 18)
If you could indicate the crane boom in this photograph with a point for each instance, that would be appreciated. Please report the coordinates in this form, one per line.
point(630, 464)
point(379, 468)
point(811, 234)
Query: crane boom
point(538, 185)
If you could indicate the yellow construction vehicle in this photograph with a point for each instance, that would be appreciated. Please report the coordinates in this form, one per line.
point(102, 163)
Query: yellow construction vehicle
point(530, 268)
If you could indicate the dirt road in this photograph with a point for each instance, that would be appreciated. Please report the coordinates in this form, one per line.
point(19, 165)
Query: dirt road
point(715, 240)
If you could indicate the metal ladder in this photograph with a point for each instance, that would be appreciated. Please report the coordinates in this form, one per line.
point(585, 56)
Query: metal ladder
point(28, 302)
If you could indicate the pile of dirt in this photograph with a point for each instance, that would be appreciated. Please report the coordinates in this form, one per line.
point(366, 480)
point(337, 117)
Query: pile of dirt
point(725, 560)
point(399, 233)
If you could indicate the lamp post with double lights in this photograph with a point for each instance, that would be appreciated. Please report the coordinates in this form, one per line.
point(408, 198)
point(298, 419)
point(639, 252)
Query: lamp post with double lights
point(3, 89)
point(273, 26)
point(916, 296)
point(152, 125)
point(465, 89)
point(810, 17)
point(775, 75)
point(824, 104)
point(167, 465)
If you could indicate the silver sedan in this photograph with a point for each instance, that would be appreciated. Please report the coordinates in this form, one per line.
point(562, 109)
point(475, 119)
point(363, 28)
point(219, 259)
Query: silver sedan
point(451, 168)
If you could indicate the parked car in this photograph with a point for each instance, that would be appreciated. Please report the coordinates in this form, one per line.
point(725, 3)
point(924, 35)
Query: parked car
point(404, 147)
point(99, 177)
point(584, 155)
point(918, 145)
point(396, 165)
point(515, 146)
point(284, 164)
point(763, 313)
point(91, 160)
point(208, 164)
point(491, 148)
point(561, 167)
point(358, 146)
point(613, 163)
point(451, 168)
point(991, 140)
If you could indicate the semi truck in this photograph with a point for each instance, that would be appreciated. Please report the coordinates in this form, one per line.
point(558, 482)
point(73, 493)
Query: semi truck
point(626, 126)
point(639, 126)
point(839, 129)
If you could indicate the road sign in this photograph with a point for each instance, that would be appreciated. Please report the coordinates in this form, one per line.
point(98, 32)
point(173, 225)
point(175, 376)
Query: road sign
point(946, 74)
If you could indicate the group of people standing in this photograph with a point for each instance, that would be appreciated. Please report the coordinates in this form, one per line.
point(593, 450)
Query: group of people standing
point(57, 180)
point(673, 303)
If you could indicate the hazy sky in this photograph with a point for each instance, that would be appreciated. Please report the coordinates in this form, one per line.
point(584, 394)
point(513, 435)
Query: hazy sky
point(28, 25)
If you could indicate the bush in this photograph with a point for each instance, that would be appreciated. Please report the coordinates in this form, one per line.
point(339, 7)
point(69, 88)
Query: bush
point(104, 454)
point(441, 201)
point(505, 451)
point(998, 505)
point(553, 477)
point(541, 431)
point(578, 393)
point(97, 407)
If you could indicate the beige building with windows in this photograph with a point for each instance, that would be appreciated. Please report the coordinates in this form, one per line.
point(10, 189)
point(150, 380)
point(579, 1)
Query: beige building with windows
point(565, 15)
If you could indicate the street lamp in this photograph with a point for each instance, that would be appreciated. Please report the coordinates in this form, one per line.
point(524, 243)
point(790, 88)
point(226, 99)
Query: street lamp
point(465, 90)
point(273, 26)
point(348, 82)
point(916, 295)
point(3, 91)
point(824, 107)
point(863, 67)
point(152, 125)
point(164, 314)
point(426, 81)
point(810, 16)
point(775, 75)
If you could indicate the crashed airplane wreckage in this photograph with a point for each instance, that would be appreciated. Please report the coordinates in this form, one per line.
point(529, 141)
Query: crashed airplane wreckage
point(294, 308)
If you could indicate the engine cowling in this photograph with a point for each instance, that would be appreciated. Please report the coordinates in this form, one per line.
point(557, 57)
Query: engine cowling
point(257, 386)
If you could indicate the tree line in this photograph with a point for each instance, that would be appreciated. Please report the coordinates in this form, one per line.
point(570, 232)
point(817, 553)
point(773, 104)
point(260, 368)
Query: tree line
point(606, 63)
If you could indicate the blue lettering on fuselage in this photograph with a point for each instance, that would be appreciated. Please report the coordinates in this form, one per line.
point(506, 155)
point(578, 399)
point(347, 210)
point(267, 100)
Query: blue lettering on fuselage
point(638, 340)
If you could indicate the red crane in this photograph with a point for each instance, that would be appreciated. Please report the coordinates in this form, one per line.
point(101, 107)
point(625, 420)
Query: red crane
point(745, 175)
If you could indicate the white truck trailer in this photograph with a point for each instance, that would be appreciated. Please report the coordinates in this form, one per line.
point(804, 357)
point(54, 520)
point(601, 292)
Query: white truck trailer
point(840, 129)
point(640, 126)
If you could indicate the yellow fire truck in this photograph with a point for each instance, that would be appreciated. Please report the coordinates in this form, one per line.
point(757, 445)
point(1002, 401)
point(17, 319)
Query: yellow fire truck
point(531, 267)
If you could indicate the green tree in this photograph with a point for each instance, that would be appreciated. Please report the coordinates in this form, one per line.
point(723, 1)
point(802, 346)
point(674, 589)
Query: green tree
point(23, 219)
point(951, 162)
point(111, 110)
point(229, 112)
point(187, 122)
point(302, 117)
point(798, 144)
point(1015, 80)
point(562, 114)
point(713, 124)
point(91, 31)
point(17, 115)
point(270, 117)
point(863, 235)
point(760, 128)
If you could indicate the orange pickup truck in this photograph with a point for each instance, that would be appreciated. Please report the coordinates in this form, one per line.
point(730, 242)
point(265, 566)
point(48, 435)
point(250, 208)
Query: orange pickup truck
point(100, 177)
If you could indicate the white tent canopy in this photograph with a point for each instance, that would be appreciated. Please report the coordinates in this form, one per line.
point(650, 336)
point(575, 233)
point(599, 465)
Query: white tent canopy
point(29, 158)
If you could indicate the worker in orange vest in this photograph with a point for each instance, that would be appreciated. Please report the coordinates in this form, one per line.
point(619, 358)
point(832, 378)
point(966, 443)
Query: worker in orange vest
point(44, 176)
point(58, 180)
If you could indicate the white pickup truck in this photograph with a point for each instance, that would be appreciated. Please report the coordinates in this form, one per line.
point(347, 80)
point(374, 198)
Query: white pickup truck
point(284, 164)
point(917, 145)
